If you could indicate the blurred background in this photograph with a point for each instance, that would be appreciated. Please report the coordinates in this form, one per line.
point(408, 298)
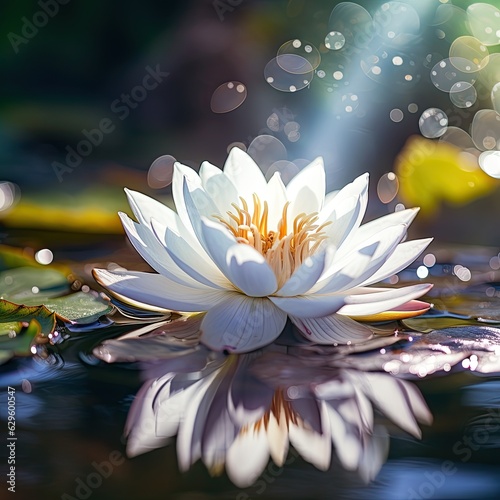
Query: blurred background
point(93, 92)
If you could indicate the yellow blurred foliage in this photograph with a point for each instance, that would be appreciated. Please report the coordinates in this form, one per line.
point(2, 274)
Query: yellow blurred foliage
point(81, 219)
point(430, 172)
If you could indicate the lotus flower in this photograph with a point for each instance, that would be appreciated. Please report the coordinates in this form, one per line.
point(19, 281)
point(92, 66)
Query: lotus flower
point(250, 254)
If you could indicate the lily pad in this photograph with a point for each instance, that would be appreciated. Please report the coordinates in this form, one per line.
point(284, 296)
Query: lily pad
point(18, 340)
point(435, 320)
point(80, 307)
point(12, 314)
point(32, 286)
point(20, 324)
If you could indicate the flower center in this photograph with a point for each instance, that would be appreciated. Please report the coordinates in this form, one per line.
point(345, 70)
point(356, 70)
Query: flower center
point(284, 248)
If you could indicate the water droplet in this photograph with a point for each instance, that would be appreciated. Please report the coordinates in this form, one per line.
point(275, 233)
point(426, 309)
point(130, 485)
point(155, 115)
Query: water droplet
point(468, 54)
point(228, 97)
point(334, 40)
point(9, 195)
point(387, 187)
point(422, 272)
point(297, 57)
point(445, 74)
point(485, 129)
point(396, 115)
point(288, 81)
point(396, 19)
point(429, 260)
point(266, 150)
point(354, 22)
point(458, 137)
point(161, 172)
point(489, 161)
point(484, 22)
point(236, 144)
point(394, 68)
point(44, 256)
point(463, 95)
point(287, 170)
point(433, 123)
point(412, 108)
point(452, 21)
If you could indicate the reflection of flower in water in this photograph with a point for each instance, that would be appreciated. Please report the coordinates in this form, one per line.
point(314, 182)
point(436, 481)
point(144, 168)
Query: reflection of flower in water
point(234, 412)
point(251, 253)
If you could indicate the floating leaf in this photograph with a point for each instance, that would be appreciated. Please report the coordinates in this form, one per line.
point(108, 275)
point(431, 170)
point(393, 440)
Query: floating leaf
point(80, 307)
point(19, 340)
point(11, 313)
point(32, 286)
point(435, 320)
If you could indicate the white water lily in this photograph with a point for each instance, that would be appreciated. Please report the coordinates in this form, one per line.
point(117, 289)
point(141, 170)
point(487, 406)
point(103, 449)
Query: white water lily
point(251, 253)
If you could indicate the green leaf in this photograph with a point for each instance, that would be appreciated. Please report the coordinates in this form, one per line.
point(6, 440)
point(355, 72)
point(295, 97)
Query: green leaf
point(11, 313)
point(436, 320)
point(18, 343)
point(80, 307)
point(31, 285)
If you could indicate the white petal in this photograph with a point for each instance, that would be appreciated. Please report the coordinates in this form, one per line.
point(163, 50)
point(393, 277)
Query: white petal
point(417, 403)
point(191, 262)
point(247, 457)
point(245, 175)
point(364, 301)
point(389, 396)
point(306, 191)
point(192, 427)
point(313, 447)
point(276, 200)
point(242, 324)
point(307, 274)
point(345, 211)
point(141, 422)
point(332, 329)
point(207, 171)
point(347, 445)
point(376, 449)
point(404, 254)
point(362, 262)
point(158, 290)
point(243, 266)
point(220, 188)
point(374, 227)
point(145, 208)
point(310, 306)
point(153, 252)
point(197, 204)
point(182, 174)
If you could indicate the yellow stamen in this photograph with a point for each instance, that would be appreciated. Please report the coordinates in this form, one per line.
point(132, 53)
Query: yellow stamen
point(284, 251)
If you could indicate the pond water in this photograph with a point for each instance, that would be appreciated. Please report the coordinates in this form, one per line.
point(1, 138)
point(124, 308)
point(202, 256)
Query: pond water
point(71, 407)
